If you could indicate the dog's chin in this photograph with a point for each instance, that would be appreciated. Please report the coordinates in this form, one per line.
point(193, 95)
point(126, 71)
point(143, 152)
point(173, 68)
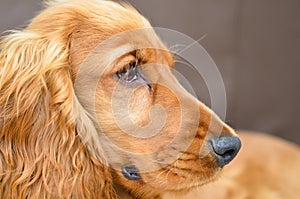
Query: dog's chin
point(198, 183)
point(188, 184)
point(176, 184)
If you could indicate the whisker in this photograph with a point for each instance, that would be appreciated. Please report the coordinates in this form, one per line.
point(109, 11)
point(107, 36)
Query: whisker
point(176, 46)
point(195, 42)
point(157, 176)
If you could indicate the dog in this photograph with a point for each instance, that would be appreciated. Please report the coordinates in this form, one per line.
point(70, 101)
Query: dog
point(90, 108)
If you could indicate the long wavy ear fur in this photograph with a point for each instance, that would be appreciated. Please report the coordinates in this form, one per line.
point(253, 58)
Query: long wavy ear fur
point(41, 154)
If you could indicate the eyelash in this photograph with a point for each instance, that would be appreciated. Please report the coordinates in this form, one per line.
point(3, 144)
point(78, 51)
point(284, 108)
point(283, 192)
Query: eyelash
point(131, 74)
point(128, 74)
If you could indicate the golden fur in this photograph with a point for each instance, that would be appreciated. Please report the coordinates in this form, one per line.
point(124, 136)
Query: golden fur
point(52, 144)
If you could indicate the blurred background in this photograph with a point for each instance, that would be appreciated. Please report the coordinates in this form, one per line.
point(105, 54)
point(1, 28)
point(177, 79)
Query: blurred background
point(255, 44)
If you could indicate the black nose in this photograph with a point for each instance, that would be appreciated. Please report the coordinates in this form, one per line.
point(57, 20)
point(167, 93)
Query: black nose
point(225, 148)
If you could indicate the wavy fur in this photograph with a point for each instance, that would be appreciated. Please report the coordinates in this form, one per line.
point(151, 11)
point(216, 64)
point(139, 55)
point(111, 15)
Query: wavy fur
point(41, 153)
point(49, 145)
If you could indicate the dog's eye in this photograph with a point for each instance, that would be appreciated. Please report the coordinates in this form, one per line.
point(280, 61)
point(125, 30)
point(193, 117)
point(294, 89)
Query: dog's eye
point(132, 75)
point(128, 74)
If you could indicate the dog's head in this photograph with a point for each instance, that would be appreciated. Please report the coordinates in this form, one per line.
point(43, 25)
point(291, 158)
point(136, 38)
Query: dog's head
point(108, 69)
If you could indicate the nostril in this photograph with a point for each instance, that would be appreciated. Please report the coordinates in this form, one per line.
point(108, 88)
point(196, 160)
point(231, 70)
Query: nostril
point(225, 148)
point(229, 152)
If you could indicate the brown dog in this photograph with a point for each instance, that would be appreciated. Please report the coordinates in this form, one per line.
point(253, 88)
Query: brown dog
point(89, 108)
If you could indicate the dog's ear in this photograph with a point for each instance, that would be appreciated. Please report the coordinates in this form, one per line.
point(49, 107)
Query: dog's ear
point(40, 149)
point(35, 83)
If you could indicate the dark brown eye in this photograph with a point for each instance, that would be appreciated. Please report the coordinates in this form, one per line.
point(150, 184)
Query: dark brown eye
point(132, 75)
point(128, 74)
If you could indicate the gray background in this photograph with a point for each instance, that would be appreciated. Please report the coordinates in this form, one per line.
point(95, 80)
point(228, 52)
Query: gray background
point(255, 43)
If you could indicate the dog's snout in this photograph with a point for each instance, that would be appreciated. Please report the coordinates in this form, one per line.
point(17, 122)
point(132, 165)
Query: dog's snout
point(225, 148)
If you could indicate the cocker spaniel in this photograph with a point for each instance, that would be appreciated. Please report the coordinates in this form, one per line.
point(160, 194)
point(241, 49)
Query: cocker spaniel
point(90, 108)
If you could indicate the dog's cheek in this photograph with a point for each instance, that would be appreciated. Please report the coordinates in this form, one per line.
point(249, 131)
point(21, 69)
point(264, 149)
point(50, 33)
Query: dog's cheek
point(140, 103)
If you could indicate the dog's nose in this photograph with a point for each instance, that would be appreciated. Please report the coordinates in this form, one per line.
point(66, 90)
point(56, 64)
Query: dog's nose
point(225, 148)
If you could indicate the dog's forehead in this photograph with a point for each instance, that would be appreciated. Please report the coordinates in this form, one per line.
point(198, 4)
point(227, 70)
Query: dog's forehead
point(152, 55)
point(148, 46)
point(143, 43)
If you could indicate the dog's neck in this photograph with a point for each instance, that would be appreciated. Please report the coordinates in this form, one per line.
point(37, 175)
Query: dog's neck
point(125, 194)
point(122, 193)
